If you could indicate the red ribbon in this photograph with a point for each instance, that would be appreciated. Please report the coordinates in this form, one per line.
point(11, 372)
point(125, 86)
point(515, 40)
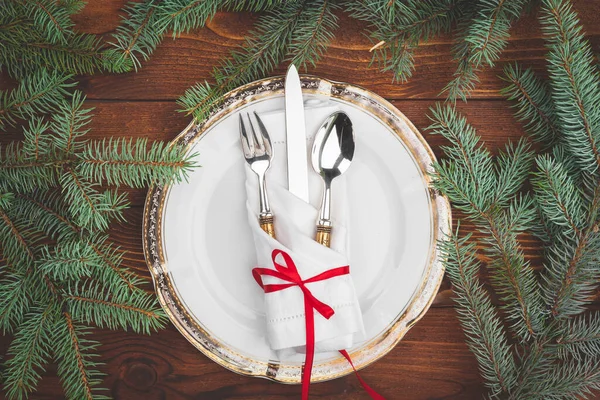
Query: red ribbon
point(289, 273)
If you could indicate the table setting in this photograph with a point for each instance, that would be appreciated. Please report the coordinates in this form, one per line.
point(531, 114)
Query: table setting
point(304, 247)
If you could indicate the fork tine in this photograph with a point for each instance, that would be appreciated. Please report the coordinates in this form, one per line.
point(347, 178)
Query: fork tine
point(264, 135)
point(258, 140)
point(244, 139)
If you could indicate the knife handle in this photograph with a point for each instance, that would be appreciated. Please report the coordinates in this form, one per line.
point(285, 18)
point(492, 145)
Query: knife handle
point(266, 224)
point(324, 235)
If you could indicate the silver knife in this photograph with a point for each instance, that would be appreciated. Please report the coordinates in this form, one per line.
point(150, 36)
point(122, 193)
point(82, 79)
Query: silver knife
point(297, 161)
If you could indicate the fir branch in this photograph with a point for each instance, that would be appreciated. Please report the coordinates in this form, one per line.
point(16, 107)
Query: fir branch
point(16, 299)
point(68, 124)
point(120, 161)
point(480, 42)
point(558, 196)
point(138, 36)
point(51, 18)
point(262, 51)
point(575, 82)
point(46, 211)
point(136, 310)
point(485, 334)
point(184, 15)
point(88, 207)
point(580, 337)
point(114, 278)
point(314, 33)
point(19, 172)
point(36, 94)
point(81, 54)
point(68, 261)
point(30, 351)
point(73, 352)
point(572, 274)
point(17, 242)
point(512, 167)
point(533, 103)
point(571, 379)
point(469, 178)
point(399, 27)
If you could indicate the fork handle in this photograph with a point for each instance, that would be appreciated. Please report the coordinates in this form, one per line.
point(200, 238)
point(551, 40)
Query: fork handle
point(266, 224)
point(324, 234)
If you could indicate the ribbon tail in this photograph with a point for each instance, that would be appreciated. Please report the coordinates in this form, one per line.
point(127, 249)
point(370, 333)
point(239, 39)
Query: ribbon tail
point(374, 395)
point(310, 347)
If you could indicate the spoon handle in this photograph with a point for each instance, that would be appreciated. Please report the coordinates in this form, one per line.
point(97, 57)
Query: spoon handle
point(266, 224)
point(324, 235)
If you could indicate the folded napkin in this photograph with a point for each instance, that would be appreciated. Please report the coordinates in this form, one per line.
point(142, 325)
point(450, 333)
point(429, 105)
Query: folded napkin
point(295, 228)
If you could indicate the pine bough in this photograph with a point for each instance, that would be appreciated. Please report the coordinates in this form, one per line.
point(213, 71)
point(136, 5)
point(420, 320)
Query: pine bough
point(542, 341)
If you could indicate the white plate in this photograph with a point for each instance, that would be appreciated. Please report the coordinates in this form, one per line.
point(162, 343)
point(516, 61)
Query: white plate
point(200, 251)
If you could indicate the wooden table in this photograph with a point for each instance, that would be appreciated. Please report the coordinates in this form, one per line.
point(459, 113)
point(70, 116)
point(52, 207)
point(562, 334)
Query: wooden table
point(432, 361)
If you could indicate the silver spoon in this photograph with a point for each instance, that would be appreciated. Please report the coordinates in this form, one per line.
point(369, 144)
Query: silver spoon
point(332, 153)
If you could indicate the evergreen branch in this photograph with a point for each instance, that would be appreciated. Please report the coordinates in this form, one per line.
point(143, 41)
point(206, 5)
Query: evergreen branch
point(17, 244)
point(68, 261)
point(135, 164)
point(572, 275)
point(262, 51)
point(72, 6)
point(20, 173)
point(81, 54)
point(533, 103)
point(399, 27)
point(513, 166)
point(485, 335)
point(88, 207)
point(31, 352)
point(184, 15)
point(468, 177)
point(36, 94)
point(138, 35)
point(571, 379)
point(558, 197)
point(138, 310)
point(53, 19)
point(580, 337)
point(114, 278)
point(36, 141)
point(575, 83)
point(481, 42)
point(68, 124)
point(315, 31)
point(48, 213)
point(73, 352)
point(16, 300)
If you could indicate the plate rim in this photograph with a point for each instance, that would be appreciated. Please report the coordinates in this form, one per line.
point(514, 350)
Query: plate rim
point(372, 350)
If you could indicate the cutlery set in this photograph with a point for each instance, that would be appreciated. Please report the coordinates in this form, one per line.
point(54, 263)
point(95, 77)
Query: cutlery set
point(331, 155)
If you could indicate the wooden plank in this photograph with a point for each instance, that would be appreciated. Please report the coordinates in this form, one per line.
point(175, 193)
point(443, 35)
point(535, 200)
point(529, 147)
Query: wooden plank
point(179, 64)
point(165, 366)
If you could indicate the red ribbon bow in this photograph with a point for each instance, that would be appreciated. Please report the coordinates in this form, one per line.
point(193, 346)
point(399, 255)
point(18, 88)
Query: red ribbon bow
point(289, 273)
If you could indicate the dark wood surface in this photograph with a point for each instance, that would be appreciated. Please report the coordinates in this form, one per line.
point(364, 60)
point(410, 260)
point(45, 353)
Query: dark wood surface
point(432, 361)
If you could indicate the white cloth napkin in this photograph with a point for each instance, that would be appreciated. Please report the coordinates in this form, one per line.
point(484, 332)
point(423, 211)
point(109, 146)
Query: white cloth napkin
point(295, 227)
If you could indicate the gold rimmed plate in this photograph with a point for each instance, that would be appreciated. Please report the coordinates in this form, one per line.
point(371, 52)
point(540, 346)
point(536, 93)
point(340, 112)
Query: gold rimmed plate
point(199, 247)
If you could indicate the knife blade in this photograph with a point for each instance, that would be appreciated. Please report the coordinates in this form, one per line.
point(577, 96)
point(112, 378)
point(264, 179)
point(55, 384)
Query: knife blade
point(297, 161)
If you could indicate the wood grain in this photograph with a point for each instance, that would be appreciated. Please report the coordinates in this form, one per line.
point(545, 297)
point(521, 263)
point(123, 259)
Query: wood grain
point(432, 362)
point(165, 366)
point(179, 64)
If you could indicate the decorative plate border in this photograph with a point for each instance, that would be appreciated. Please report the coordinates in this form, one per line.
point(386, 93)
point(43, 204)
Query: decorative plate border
point(371, 351)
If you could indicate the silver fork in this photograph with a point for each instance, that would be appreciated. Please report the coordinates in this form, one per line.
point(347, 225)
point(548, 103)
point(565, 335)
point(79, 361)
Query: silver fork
point(258, 153)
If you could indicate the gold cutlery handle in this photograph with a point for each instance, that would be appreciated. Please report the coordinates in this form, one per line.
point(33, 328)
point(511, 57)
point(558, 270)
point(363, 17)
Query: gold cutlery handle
point(324, 235)
point(266, 224)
